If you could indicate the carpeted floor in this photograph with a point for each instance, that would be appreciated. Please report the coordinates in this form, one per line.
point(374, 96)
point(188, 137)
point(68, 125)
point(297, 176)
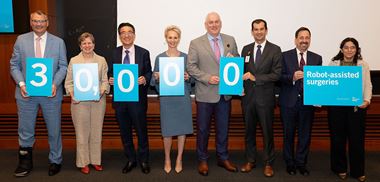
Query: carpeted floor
point(114, 161)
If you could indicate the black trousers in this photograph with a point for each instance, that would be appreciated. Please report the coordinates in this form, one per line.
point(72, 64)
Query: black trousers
point(254, 114)
point(133, 115)
point(298, 118)
point(347, 125)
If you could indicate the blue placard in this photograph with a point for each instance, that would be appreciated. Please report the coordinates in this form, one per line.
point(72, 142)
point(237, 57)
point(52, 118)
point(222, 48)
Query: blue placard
point(333, 85)
point(172, 76)
point(6, 14)
point(86, 81)
point(125, 83)
point(231, 75)
point(39, 76)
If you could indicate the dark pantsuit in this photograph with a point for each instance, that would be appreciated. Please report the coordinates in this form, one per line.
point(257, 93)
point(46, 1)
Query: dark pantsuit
point(133, 115)
point(301, 117)
point(254, 113)
point(221, 112)
point(347, 125)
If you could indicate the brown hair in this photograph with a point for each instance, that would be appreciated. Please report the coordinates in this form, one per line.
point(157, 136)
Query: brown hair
point(85, 35)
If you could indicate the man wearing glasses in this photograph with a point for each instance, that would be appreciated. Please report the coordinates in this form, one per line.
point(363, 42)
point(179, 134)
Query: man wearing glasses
point(133, 114)
point(38, 44)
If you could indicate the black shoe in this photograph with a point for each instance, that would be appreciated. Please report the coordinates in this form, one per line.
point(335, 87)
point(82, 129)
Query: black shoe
point(291, 170)
point(303, 170)
point(129, 166)
point(25, 164)
point(145, 167)
point(54, 169)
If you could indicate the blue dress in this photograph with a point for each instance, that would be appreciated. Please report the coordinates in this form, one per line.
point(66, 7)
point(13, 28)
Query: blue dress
point(175, 111)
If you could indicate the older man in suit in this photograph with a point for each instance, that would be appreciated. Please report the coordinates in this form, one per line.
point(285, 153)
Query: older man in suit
point(262, 70)
point(203, 64)
point(293, 113)
point(40, 44)
point(133, 114)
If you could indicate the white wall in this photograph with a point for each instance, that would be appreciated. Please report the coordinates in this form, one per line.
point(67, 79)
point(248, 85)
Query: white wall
point(330, 21)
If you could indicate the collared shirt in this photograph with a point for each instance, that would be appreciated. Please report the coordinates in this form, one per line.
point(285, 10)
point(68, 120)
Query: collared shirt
point(262, 48)
point(131, 54)
point(42, 42)
point(299, 56)
point(220, 43)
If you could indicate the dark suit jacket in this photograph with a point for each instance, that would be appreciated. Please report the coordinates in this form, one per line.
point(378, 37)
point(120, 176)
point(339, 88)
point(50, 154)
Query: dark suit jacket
point(289, 90)
point(142, 58)
point(267, 72)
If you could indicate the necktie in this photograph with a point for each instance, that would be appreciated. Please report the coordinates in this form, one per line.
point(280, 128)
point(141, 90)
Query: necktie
point(38, 48)
point(216, 49)
point(126, 58)
point(302, 62)
point(258, 54)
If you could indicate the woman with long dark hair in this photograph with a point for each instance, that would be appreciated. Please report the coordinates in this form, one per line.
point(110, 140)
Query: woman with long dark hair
point(347, 123)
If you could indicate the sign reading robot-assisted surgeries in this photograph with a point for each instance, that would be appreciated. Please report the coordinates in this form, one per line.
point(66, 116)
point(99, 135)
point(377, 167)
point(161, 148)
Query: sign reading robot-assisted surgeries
point(333, 85)
point(231, 74)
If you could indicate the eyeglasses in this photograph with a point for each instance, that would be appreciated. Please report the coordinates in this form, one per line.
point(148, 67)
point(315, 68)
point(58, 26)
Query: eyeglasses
point(127, 33)
point(39, 21)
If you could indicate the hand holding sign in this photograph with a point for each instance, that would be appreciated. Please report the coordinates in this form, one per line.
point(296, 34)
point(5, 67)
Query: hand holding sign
point(214, 80)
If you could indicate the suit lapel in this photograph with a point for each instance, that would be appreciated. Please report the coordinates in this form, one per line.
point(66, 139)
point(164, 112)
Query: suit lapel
point(251, 57)
point(208, 48)
point(119, 54)
point(226, 45)
point(294, 60)
point(30, 47)
point(310, 60)
point(48, 45)
point(138, 60)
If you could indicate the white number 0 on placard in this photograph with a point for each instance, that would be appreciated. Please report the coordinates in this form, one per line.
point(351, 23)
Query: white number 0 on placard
point(86, 73)
point(120, 83)
point(40, 74)
point(166, 74)
point(225, 73)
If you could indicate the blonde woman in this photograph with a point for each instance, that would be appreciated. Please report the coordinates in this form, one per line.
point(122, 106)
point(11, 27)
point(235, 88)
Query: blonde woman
point(175, 111)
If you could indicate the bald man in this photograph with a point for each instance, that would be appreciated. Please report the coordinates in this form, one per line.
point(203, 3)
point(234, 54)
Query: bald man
point(203, 64)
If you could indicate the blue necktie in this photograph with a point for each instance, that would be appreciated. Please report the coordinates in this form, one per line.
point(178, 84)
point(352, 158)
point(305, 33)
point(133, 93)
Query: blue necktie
point(258, 54)
point(126, 58)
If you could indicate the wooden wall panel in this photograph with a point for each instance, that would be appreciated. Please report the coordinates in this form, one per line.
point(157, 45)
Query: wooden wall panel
point(111, 138)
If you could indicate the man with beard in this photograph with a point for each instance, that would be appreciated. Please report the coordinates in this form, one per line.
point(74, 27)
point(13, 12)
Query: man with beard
point(293, 113)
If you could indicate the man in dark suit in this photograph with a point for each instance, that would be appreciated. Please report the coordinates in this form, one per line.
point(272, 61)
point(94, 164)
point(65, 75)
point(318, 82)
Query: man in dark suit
point(133, 114)
point(203, 64)
point(38, 44)
point(293, 113)
point(262, 70)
